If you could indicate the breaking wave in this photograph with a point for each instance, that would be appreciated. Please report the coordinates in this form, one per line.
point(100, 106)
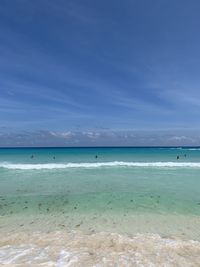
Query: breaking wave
point(51, 166)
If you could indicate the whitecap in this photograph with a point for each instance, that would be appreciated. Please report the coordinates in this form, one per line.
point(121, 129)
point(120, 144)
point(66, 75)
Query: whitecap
point(51, 166)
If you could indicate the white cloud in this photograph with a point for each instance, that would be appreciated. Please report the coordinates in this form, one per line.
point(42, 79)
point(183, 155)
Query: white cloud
point(62, 134)
point(178, 138)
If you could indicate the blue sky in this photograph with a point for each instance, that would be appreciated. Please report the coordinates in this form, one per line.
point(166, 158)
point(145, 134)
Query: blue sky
point(99, 67)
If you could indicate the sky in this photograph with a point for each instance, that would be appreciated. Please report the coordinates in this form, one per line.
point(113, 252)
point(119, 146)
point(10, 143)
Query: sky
point(88, 72)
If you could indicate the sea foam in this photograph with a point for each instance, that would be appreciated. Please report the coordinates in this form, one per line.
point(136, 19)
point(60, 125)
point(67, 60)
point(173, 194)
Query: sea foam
point(100, 249)
point(19, 166)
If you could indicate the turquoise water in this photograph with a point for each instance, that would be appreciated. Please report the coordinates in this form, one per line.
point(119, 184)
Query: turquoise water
point(45, 155)
point(72, 185)
point(125, 207)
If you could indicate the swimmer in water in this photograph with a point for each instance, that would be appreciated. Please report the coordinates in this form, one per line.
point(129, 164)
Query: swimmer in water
point(177, 157)
point(96, 157)
point(32, 157)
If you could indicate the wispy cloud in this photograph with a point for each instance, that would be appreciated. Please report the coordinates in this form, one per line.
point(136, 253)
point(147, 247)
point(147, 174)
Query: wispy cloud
point(79, 66)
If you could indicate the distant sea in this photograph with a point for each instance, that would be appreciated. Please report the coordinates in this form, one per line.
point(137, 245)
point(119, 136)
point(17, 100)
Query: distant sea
point(100, 206)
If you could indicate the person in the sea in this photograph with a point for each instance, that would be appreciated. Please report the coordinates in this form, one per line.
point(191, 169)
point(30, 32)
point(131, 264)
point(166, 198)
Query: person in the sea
point(96, 157)
point(32, 156)
point(177, 157)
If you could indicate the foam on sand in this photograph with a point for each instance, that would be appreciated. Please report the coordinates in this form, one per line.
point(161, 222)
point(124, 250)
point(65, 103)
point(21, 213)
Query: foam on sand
point(99, 249)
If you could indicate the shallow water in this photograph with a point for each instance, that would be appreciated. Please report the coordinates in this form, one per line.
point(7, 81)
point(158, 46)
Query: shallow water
point(125, 191)
point(100, 249)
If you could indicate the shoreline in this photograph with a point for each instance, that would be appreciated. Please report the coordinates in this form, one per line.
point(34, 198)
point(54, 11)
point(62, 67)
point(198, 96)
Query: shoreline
point(75, 248)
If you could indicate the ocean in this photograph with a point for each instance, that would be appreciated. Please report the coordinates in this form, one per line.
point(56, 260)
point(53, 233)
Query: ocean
point(100, 206)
